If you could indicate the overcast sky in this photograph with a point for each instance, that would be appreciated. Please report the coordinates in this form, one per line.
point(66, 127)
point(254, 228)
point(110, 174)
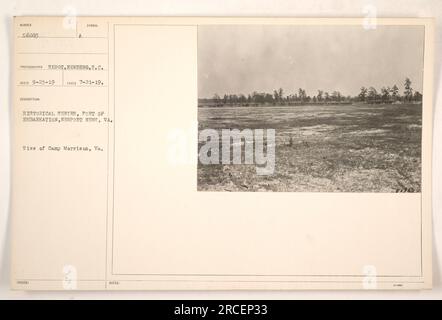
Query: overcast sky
point(243, 59)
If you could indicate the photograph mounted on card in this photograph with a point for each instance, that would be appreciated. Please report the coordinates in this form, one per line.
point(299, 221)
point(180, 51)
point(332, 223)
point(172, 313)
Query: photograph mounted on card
point(233, 153)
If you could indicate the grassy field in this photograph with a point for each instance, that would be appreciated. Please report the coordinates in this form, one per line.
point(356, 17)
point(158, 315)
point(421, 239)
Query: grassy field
point(323, 148)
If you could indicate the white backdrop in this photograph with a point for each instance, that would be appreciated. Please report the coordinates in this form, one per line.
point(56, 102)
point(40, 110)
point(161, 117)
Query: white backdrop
point(311, 8)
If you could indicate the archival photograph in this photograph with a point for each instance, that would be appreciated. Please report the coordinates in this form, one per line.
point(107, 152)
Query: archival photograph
point(293, 108)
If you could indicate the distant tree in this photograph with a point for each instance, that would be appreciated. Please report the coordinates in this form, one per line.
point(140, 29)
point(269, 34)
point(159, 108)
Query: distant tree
point(372, 95)
point(408, 92)
point(385, 94)
point(268, 98)
point(320, 95)
point(276, 95)
point(326, 97)
point(302, 95)
point(336, 96)
point(216, 99)
point(394, 92)
point(261, 97)
point(280, 94)
point(363, 94)
point(417, 96)
point(258, 97)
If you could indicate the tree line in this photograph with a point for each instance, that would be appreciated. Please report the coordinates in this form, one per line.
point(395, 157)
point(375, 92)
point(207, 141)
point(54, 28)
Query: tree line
point(366, 95)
